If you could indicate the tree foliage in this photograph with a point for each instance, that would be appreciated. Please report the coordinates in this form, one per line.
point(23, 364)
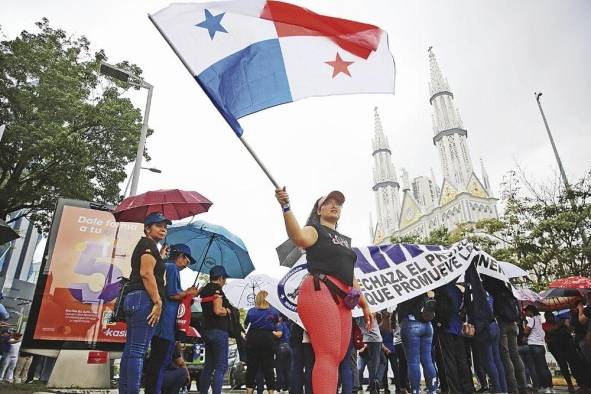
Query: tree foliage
point(69, 132)
point(541, 229)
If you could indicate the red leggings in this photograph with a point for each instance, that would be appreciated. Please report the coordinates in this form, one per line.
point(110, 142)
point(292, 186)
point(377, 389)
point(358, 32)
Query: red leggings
point(329, 328)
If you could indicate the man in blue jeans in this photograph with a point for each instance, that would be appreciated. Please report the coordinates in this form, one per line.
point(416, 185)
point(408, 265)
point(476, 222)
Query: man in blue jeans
point(216, 324)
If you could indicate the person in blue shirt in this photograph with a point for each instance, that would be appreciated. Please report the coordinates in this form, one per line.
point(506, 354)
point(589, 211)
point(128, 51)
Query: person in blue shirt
point(261, 337)
point(163, 341)
point(283, 355)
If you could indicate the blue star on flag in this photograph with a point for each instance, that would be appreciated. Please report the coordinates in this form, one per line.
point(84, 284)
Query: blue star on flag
point(212, 23)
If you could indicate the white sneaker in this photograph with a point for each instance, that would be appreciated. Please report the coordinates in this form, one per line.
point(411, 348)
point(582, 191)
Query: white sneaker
point(548, 390)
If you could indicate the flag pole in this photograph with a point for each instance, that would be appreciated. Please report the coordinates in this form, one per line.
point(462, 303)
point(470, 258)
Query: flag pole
point(254, 156)
point(246, 145)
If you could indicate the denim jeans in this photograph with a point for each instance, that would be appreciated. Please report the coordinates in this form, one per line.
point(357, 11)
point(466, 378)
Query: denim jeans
point(514, 369)
point(174, 380)
point(160, 358)
point(538, 353)
point(392, 362)
point(417, 339)
point(216, 361)
point(137, 306)
point(346, 373)
point(488, 344)
point(371, 357)
point(302, 363)
point(528, 363)
point(283, 367)
point(297, 369)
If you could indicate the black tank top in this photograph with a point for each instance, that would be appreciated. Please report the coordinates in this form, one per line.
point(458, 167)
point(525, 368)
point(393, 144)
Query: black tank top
point(146, 246)
point(331, 255)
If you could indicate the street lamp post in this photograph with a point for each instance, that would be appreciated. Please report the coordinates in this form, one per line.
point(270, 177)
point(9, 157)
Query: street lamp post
point(560, 167)
point(134, 80)
point(151, 169)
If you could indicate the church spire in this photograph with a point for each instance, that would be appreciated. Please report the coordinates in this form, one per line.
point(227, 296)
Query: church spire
point(435, 184)
point(386, 185)
point(450, 135)
point(438, 83)
point(405, 180)
point(485, 177)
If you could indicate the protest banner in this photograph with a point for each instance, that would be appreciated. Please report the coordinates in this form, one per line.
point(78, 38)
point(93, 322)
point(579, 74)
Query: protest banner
point(391, 274)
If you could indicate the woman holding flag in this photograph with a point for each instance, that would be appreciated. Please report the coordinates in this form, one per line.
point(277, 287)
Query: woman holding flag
point(330, 291)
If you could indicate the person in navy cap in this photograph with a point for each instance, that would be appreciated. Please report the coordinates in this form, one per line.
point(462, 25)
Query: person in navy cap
point(216, 323)
point(143, 301)
point(163, 341)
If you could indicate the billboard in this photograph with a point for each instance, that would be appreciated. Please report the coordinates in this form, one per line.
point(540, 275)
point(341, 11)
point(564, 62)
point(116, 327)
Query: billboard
point(78, 282)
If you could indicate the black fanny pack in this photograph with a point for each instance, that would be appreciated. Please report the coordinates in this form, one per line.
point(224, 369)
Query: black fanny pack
point(350, 298)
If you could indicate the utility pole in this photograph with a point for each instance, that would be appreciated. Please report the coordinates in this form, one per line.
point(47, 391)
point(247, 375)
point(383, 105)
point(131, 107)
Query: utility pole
point(569, 193)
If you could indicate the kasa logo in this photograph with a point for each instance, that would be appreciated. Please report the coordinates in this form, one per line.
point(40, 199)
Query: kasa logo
point(115, 333)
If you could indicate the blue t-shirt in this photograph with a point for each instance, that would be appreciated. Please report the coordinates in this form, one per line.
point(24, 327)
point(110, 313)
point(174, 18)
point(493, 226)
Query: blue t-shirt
point(456, 296)
point(388, 339)
point(285, 332)
point(262, 319)
point(166, 327)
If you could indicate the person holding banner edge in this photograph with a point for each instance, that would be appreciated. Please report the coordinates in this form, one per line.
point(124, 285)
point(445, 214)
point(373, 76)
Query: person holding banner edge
point(330, 291)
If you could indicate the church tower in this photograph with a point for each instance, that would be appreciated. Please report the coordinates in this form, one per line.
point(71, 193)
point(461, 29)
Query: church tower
point(450, 135)
point(386, 187)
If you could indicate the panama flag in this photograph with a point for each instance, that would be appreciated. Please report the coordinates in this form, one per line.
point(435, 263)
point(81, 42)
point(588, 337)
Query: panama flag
point(250, 55)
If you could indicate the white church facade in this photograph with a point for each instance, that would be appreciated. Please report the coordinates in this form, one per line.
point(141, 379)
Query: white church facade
point(423, 205)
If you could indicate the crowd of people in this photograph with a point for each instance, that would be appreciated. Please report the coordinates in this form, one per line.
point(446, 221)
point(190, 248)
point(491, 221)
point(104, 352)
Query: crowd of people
point(447, 336)
point(459, 330)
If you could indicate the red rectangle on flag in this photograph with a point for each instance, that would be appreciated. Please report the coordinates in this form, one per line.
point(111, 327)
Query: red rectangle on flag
point(357, 38)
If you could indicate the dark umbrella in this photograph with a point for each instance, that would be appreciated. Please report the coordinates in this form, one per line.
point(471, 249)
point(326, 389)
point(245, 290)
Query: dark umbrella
point(288, 253)
point(175, 204)
point(7, 233)
point(556, 292)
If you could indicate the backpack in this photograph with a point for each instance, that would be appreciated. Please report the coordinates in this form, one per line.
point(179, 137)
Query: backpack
point(425, 309)
point(506, 307)
point(118, 314)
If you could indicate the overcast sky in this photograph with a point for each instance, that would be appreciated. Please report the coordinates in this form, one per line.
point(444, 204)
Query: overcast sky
point(494, 54)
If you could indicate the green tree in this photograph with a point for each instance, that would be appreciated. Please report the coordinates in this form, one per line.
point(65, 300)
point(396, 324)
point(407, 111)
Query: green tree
point(69, 132)
point(545, 226)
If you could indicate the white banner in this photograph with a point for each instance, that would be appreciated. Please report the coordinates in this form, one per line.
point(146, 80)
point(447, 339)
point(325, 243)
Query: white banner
point(391, 274)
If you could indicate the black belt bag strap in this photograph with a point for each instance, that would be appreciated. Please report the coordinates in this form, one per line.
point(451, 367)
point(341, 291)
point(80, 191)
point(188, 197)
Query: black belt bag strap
point(335, 291)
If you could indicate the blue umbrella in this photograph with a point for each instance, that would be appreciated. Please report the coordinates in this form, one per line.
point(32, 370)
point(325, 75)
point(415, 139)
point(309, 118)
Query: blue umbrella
point(213, 245)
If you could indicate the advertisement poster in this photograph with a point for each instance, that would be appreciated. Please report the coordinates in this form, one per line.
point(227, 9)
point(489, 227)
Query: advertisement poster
point(91, 252)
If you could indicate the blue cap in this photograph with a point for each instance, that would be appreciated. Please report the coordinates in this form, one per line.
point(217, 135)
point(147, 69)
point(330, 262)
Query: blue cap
point(156, 217)
point(184, 249)
point(217, 271)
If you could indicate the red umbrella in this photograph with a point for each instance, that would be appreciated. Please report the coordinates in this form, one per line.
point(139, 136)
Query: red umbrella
point(572, 282)
point(175, 204)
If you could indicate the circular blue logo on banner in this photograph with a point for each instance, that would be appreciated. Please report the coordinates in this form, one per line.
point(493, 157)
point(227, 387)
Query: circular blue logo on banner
point(289, 286)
